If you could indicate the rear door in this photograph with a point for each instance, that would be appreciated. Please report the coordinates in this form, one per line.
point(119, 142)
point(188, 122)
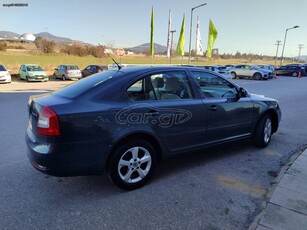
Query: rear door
point(228, 116)
point(166, 103)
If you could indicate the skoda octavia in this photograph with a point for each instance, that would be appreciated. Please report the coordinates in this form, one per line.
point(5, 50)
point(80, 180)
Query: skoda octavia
point(123, 122)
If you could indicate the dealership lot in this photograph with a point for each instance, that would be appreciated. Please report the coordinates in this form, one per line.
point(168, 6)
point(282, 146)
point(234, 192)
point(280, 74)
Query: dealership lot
point(217, 188)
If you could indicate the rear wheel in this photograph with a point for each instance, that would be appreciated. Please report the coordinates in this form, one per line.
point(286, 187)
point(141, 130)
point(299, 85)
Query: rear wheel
point(294, 74)
point(263, 133)
point(132, 164)
point(54, 76)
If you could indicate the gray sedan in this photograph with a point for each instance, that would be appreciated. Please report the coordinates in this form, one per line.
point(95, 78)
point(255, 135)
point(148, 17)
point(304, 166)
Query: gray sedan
point(67, 72)
point(250, 71)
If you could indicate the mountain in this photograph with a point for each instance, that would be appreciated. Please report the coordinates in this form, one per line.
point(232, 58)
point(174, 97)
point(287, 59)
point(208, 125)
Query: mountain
point(302, 58)
point(54, 38)
point(145, 48)
point(8, 34)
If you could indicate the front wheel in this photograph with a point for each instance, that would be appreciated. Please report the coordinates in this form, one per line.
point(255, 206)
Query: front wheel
point(233, 75)
point(294, 74)
point(132, 164)
point(257, 76)
point(263, 133)
point(63, 78)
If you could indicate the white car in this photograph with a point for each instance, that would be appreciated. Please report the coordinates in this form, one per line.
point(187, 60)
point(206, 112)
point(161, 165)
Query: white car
point(5, 76)
point(250, 71)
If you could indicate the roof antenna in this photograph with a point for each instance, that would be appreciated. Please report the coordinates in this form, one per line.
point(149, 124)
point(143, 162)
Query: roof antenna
point(118, 65)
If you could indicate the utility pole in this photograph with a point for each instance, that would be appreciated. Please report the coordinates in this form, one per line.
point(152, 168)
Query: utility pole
point(300, 46)
point(277, 44)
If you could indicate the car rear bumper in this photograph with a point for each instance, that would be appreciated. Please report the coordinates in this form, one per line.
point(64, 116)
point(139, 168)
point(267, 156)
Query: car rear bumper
point(66, 159)
point(74, 76)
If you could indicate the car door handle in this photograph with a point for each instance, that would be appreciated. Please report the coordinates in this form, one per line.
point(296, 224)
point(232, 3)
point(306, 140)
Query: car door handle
point(213, 108)
point(153, 112)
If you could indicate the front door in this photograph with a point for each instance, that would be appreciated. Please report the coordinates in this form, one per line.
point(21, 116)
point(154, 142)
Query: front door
point(228, 116)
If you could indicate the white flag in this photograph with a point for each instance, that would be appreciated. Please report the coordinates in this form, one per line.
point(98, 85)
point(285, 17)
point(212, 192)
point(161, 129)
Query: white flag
point(168, 53)
point(199, 47)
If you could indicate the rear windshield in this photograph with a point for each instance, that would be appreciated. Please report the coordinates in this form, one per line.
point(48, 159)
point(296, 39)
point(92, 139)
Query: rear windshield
point(2, 68)
point(71, 67)
point(80, 87)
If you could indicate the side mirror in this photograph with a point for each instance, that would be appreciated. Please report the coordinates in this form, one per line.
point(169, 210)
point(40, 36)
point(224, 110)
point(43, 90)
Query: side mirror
point(242, 92)
point(56, 69)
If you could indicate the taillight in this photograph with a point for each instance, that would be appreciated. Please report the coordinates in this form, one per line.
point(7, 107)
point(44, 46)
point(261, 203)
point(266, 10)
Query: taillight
point(66, 71)
point(48, 122)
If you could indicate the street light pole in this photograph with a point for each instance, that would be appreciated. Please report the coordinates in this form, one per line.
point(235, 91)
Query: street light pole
point(283, 48)
point(170, 56)
point(191, 29)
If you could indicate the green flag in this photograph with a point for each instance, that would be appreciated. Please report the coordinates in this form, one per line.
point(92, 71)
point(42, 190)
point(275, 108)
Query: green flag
point(152, 51)
point(180, 45)
point(212, 35)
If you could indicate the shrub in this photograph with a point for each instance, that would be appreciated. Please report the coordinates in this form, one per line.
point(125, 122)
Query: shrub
point(3, 46)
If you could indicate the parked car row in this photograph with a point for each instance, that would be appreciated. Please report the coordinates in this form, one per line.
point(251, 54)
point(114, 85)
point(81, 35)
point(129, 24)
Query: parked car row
point(256, 72)
point(34, 72)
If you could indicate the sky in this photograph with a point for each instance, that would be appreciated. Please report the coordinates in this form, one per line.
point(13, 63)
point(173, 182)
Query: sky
point(247, 26)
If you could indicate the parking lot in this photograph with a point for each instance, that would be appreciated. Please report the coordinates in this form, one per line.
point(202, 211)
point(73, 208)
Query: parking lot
point(218, 188)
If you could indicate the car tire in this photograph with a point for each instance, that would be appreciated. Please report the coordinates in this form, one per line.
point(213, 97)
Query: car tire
point(63, 78)
point(54, 76)
point(132, 164)
point(257, 76)
point(294, 74)
point(27, 78)
point(263, 132)
point(233, 75)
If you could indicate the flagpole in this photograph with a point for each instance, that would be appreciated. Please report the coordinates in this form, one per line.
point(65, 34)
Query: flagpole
point(152, 35)
point(169, 48)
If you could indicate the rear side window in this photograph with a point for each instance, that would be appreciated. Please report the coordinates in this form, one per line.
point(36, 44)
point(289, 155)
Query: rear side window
point(80, 87)
point(163, 86)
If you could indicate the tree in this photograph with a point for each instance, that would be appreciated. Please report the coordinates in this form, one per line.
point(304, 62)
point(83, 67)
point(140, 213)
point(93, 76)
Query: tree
point(44, 45)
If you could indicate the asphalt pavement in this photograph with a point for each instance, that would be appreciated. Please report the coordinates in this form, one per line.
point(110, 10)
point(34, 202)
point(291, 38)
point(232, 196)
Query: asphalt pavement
point(224, 187)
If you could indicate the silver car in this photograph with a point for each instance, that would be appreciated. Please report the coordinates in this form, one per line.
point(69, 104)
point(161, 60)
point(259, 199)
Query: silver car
point(67, 72)
point(250, 71)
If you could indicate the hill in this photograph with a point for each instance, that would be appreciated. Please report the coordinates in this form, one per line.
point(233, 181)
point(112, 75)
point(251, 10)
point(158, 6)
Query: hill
point(54, 38)
point(159, 49)
point(8, 34)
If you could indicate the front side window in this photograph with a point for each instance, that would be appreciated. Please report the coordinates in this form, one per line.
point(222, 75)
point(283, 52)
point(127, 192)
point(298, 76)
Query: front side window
point(213, 86)
point(170, 85)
